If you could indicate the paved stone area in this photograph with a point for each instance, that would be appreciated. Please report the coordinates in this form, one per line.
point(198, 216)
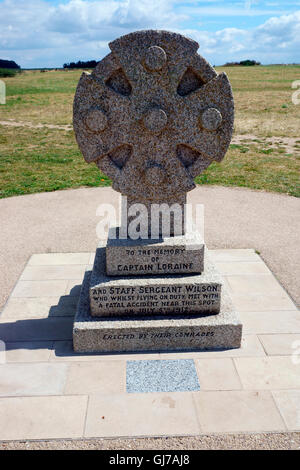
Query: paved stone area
point(49, 392)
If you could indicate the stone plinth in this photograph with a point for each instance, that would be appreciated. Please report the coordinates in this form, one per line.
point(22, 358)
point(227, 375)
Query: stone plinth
point(156, 218)
point(154, 334)
point(152, 116)
point(172, 255)
point(154, 295)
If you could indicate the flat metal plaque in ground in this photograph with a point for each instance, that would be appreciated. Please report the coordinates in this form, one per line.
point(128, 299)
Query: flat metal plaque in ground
point(221, 331)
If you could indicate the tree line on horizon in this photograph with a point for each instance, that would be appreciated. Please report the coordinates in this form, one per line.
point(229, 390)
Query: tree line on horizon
point(246, 63)
point(9, 64)
point(8, 68)
point(89, 64)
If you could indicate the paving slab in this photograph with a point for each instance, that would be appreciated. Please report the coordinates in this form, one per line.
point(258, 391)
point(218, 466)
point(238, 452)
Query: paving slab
point(55, 272)
point(272, 322)
point(64, 351)
point(30, 351)
point(32, 379)
point(88, 378)
point(40, 307)
point(238, 411)
point(92, 258)
point(279, 345)
point(268, 373)
point(258, 293)
point(251, 347)
point(236, 255)
point(74, 287)
point(36, 329)
point(141, 414)
point(59, 259)
point(242, 268)
point(288, 402)
point(55, 417)
point(40, 288)
point(217, 374)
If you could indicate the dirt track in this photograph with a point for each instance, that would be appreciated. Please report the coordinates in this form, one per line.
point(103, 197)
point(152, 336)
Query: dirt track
point(288, 143)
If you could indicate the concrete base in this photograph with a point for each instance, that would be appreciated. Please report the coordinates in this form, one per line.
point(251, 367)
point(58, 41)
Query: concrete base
point(222, 331)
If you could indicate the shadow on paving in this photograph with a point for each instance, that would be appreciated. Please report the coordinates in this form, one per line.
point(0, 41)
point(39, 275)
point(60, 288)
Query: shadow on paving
point(55, 332)
point(58, 326)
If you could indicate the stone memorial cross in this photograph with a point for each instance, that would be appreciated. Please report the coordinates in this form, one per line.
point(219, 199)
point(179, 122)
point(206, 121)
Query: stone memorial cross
point(153, 115)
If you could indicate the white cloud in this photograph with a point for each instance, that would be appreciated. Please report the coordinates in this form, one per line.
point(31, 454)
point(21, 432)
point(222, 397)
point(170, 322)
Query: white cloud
point(37, 33)
point(275, 41)
point(228, 10)
point(74, 30)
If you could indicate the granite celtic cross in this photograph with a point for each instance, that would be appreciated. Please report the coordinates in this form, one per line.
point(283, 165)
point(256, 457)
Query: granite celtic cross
point(153, 115)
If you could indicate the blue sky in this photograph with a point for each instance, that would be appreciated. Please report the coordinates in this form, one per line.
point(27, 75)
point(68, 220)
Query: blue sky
point(48, 33)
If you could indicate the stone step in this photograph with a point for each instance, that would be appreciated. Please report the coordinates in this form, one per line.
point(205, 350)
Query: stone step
point(166, 333)
point(170, 294)
point(172, 255)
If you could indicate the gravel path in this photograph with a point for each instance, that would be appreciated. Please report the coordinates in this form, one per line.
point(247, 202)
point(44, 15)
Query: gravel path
point(270, 441)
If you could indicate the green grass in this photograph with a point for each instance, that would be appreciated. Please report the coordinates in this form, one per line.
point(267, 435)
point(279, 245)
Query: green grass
point(38, 160)
point(43, 160)
point(5, 73)
point(257, 169)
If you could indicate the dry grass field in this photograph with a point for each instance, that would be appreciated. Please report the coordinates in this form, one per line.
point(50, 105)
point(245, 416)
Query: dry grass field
point(38, 151)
